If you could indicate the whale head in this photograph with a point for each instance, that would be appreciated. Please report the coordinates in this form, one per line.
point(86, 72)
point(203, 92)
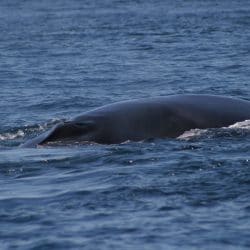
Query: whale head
point(66, 133)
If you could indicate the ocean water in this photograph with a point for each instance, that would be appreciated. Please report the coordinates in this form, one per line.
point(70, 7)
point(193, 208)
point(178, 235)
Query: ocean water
point(60, 58)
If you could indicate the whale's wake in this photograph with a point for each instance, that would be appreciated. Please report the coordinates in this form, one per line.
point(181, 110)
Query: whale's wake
point(239, 128)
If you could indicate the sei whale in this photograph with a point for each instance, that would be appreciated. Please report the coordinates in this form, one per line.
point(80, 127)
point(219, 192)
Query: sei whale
point(139, 119)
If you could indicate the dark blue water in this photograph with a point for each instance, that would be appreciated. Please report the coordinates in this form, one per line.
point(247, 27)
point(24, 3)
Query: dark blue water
point(60, 58)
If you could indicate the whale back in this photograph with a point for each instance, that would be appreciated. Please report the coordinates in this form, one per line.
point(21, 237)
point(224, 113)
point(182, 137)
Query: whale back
point(147, 118)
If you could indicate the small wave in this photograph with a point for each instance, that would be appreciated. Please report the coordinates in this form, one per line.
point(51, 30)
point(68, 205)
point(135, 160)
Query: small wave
point(12, 136)
point(192, 134)
point(241, 125)
point(41, 127)
point(238, 127)
point(20, 132)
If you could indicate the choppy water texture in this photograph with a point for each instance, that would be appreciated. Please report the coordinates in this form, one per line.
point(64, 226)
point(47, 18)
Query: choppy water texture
point(60, 58)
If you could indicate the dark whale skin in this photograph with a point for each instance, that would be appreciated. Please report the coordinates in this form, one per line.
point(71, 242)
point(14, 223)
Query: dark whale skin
point(139, 119)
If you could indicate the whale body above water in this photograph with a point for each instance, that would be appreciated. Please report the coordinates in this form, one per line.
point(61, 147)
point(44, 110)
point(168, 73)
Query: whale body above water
point(140, 119)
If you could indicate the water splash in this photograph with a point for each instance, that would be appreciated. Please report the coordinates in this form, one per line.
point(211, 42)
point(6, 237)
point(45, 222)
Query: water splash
point(242, 125)
point(237, 128)
point(12, 136)
point(21, 132)
point(193, 133)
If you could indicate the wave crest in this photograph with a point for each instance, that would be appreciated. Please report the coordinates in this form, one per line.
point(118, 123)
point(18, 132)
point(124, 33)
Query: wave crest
point(234, 129)
point(11, 136)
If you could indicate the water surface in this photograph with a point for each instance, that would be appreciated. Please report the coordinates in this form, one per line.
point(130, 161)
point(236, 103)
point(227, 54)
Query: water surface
point(61, 58)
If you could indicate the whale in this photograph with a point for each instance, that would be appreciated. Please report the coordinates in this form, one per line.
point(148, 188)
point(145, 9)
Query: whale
point(146, 118)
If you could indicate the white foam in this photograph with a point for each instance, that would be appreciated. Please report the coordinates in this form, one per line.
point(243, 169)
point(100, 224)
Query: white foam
point(192, 133)
point(29, 129)
point(243, 125)
point(11, 136)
